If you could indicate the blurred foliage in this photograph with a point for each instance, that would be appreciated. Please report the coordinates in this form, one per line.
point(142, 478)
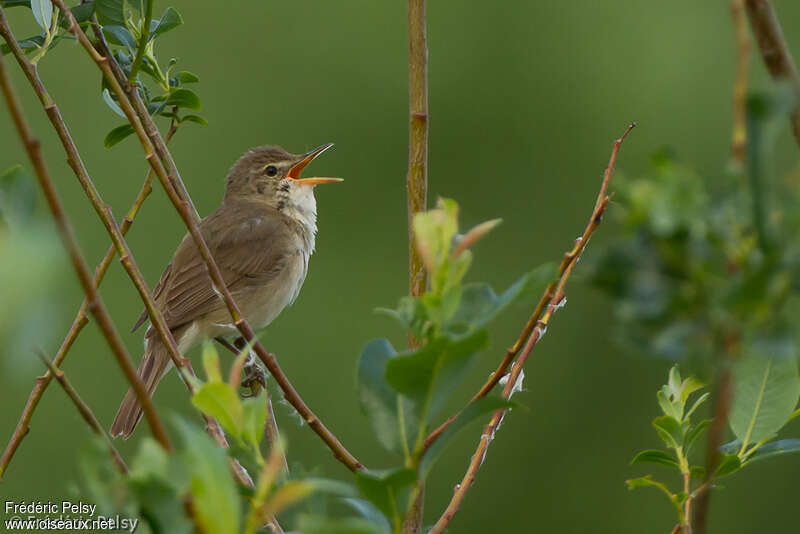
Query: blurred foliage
point(33, 263)
point(703, 275)
point(704, 267)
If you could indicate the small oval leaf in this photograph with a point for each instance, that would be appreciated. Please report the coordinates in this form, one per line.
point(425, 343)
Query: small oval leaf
point(117, 134)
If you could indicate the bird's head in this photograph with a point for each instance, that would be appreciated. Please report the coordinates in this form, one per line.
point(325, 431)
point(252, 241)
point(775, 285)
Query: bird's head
point(271, 175)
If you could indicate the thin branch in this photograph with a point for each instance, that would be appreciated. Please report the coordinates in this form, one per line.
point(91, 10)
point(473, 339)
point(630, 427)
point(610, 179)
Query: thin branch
point(117, 236)
point(541, 306)
point(417, 188)
point(541, 326)
point(149, 125)
point(723, 394)
point(96, 305)
point(775, 52)
point(190, 220)
point(739, 137)
point(80, 321)
point(417, 179)
point(102, 209)
point(142, 46)
point(84, 410)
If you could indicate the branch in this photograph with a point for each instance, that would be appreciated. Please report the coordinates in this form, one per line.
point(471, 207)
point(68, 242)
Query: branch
point(739, 138)
point(417, 188)
point(775, 52)
point(554, 302)
point(546, 298)
point(81, 319)
point(723, 393)
point(184, 208)
point(417, 179)
point(84, 410)
point(117, 236)
point(96, 305)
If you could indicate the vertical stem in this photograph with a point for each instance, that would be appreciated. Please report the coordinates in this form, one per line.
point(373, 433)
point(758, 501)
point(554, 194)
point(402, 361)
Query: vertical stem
point(416, 185)
point(723, 393)
point(775, 52)
point(142, 46)
point(739, 137)
point(417, 179)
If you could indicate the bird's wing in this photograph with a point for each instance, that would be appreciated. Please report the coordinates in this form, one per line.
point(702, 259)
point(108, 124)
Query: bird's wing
point(250, 250)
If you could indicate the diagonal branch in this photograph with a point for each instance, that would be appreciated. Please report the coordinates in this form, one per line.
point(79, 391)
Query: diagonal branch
point(515, 376)
point(80, 321)
point(84, 410)
point(547, 297)
point(184, 208)
point(117, 236)
point(96, 305)
point(775, 52)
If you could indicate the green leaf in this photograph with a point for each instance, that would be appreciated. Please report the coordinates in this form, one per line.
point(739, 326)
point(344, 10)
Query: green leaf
point(17, 197)
point(387, 490)
point(112, 104)
point(219, 400)
point(479, 304)
point(216, 500)
point(170, 20)
point(110, 12)
point(368, 511)
point(695, 433)
point(475, 409)
point(669, 430)
point(412, 315)
point(254, 419)
point(197, 119)
point(729, 463)
point(378, 401)
point(776, 448)
point(700, 400)
point(82, 13)
point(185, 98)
point(121, 36)
point(42, 12)
point(308, 524)
point(428, 374)
point(185, 76)
point(766, 391)
point(157, 489)
point(117, 134)
point(29, 43)
point(211, 362)
point(653, 456)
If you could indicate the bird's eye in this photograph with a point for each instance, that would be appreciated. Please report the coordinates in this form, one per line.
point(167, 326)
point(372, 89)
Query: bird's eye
point(272, 170)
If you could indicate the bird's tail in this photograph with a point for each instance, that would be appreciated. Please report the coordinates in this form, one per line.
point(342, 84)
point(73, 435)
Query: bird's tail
point(152, 367)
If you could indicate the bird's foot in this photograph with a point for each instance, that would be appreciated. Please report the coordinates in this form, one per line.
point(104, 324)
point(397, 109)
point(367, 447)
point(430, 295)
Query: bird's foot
point(254, 377)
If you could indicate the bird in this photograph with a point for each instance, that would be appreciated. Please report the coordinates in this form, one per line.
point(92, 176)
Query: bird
point(261, 237)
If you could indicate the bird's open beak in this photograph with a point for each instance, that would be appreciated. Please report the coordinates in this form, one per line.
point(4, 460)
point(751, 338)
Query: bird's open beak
point(294, 172)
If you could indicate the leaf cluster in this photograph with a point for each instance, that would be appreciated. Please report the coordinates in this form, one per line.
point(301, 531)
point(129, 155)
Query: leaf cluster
point(402, 392)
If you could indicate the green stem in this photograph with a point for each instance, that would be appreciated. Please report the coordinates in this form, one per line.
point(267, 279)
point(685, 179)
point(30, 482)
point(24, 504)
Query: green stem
point(143, 39)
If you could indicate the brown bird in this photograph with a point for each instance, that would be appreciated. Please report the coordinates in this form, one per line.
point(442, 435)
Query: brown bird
point(261, 238)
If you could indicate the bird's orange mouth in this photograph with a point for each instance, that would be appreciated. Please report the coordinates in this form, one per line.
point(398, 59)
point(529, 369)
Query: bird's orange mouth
point(294, 172)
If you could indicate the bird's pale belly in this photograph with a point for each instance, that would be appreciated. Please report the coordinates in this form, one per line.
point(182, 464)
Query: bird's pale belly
point(267, 302)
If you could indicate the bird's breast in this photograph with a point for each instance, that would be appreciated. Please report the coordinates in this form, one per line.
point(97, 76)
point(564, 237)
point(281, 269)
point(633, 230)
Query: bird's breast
point(265, 303)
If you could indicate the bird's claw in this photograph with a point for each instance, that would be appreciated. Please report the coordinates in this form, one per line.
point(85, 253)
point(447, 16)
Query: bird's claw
point(254, 377)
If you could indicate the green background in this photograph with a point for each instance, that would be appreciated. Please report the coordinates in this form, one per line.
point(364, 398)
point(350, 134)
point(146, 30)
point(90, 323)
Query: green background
point(525, 100)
